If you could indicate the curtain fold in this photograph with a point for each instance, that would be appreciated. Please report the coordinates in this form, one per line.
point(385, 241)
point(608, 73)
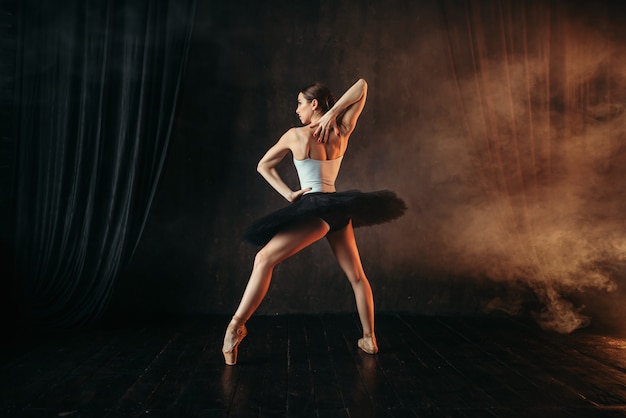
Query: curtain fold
point(98, 83)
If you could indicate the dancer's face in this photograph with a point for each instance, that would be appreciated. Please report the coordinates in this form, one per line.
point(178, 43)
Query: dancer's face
point(305, 109)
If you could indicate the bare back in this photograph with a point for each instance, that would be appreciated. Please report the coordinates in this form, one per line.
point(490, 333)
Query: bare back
point(309, 147)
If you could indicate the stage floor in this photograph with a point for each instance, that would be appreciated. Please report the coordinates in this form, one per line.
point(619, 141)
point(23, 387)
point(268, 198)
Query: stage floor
point(309, 366)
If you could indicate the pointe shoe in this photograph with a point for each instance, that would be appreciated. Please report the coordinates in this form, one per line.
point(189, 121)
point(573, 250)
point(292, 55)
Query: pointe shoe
point(368, 344)
point(234, 335)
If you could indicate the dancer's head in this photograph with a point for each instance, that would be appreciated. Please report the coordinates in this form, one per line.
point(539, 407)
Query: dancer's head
point(321, 93)
point(315, 98)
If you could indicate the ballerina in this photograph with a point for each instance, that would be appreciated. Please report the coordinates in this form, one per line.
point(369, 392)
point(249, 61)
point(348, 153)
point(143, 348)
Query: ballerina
point(316, 210)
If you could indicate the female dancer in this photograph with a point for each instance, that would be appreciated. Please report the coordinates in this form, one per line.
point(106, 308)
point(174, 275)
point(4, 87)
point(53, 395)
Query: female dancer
point(316, 210)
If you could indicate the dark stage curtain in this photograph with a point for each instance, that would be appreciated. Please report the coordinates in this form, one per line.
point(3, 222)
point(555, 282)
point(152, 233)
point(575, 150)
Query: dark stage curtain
point(98, 82)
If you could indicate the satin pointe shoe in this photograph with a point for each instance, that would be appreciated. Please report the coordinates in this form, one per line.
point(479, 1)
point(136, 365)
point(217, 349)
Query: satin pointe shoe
point(368, 344)
point(232, 338)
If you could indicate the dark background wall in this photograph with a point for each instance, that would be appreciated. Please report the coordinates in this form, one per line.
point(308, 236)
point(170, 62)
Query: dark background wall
point(435, 69)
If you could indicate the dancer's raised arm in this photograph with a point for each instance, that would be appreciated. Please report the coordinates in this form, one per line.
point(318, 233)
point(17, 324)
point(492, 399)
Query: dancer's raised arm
point(342, 117)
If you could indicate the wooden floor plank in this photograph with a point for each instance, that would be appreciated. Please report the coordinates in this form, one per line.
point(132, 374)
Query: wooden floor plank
point(329, 395)
point(406, 370)
point(470, 358)
point(340, 329)
point(374, 377)
point(300, 383)
point(310, 366)
point(561, 372)
point(511, 363)
point(274, 381)
point(91, 380)
point(47, 364)
point(440, 379)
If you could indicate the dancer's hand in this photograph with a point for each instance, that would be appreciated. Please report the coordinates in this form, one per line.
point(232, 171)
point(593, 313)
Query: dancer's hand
point(324, 126)
point(298, 194)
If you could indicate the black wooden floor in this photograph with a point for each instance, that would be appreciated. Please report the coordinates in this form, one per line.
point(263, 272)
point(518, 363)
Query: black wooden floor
point(309, 366)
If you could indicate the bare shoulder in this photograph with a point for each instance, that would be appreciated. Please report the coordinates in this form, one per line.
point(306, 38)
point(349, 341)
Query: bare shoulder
point(302, 134)
point(302, 131)
point(287, 138)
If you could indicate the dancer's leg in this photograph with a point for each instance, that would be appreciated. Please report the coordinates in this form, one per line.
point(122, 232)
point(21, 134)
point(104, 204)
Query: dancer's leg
point(282, 246)
point(344, 246)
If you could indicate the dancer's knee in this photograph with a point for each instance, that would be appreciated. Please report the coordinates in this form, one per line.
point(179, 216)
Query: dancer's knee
point(264, 260)
point(357, 278)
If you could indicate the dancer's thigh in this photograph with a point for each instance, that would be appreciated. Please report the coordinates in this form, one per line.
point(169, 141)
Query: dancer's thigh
point(288, 242)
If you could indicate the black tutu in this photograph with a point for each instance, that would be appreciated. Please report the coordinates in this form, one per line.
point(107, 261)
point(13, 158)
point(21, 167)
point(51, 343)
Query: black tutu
point(363, 208)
